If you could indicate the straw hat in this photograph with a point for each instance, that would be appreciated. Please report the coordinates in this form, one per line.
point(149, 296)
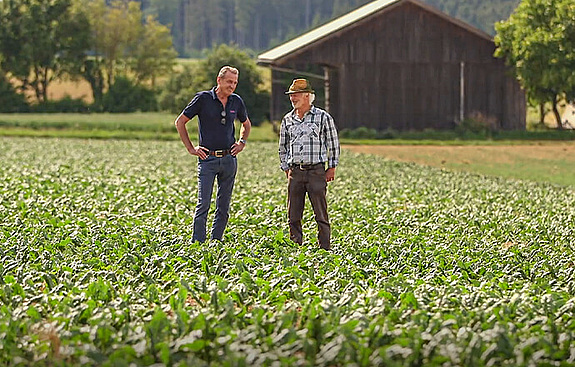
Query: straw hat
point(300, 85)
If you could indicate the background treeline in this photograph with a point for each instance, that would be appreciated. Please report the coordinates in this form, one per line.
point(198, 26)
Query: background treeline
point(482, 14)
point(126, 50)
point(258, 25)
point(125, 55)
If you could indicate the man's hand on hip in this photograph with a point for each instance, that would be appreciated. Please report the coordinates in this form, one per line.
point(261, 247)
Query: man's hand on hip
point(201, 152)
point(237, 147)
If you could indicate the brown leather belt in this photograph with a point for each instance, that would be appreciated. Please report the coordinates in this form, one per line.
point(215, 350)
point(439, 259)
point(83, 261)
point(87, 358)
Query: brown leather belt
point(307, 167)
point(220, 153)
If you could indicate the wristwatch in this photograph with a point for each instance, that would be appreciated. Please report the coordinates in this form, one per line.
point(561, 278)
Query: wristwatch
point(243, 141)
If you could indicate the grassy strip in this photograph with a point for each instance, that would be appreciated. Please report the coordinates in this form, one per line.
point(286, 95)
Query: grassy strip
point(99, 121)
point(158, 124)
point(258, 133)
point(88, 134)
point(97, 126)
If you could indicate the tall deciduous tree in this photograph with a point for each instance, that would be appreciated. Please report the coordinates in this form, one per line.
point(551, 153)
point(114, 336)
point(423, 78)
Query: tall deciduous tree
point(153, 54)
point(93, 68)
point(123, 42)
point(40, 40)
point(538, 41)
point(122, 21)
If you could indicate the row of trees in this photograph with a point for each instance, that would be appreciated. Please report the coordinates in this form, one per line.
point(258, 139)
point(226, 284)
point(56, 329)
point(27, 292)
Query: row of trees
point(538, 42)
point(482, 14)
point(45, 40)
point(261, 24)
point(121, 51)
point(254, 24)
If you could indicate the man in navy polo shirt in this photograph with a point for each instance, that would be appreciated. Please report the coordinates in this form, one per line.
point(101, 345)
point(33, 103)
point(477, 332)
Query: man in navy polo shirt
point(217, 110)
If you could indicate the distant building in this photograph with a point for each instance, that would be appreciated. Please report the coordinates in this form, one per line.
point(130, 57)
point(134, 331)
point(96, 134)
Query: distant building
point(402, 65)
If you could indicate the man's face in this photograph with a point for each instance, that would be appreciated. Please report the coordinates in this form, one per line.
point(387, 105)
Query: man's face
point(299, 100)
point(228, 83)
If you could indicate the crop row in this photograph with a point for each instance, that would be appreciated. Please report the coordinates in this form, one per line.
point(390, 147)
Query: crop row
point(429, 267)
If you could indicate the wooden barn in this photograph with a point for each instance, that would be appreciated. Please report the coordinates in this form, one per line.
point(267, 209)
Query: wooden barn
point(402, 65)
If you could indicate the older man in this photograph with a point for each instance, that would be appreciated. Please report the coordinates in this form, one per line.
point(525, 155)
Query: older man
point(217, 109)
point(308, 141)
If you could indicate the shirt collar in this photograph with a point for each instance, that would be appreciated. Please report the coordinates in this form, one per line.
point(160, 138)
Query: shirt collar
point(213, 92)
point(313, 110)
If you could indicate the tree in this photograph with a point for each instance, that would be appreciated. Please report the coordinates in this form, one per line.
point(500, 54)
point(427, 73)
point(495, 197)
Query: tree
point(125, 96)
point(538, 42)
point(122, 43)
point(166, 12)
point(121, 24)
point(40, 40)
point(179, 89)
point(10, 99)
point(93, 68)
point(153, 54)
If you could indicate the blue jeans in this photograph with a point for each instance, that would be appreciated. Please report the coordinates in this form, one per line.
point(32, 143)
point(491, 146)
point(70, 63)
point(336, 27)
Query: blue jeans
point(224, 169)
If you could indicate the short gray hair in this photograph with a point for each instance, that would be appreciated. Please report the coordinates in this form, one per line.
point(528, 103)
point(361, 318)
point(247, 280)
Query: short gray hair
point(311, 97)
point(227, 68)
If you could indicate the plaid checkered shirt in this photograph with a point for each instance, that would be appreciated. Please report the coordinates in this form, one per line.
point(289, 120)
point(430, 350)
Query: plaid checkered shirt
point(310, 140)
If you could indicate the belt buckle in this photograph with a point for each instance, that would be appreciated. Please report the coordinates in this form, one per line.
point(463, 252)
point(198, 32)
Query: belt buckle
point(219, 153)
point(304, 167)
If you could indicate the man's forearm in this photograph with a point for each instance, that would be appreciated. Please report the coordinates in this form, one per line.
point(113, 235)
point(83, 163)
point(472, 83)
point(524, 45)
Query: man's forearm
point(245, 129)
point(183, 132)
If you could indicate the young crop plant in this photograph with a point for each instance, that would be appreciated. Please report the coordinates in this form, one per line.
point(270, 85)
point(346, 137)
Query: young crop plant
point(429, 267)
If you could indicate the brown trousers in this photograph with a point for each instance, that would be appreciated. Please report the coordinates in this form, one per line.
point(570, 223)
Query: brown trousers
point(310, 181)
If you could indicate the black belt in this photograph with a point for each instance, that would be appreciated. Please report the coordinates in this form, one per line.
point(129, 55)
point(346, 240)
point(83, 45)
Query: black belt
point(306, 167)
point(220, 153)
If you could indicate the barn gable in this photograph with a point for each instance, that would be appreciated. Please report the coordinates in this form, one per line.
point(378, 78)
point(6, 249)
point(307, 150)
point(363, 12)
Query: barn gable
point(400, 64)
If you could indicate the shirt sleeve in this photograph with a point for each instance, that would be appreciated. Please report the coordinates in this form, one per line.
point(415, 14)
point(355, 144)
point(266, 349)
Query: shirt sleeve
point(193, 108)
point(332, 142)
point(242, 111)
point(283, 145)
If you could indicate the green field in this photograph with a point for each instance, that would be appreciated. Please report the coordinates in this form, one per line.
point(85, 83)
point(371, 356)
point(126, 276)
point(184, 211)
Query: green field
point(429, 267)
point(159, 125)
point(143, 126)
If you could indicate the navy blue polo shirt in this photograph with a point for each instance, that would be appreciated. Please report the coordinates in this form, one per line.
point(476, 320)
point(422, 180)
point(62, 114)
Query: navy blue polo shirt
point(214, 134)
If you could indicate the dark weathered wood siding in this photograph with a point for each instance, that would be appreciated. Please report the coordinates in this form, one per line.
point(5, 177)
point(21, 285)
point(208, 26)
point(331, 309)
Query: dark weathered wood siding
point(400, 69)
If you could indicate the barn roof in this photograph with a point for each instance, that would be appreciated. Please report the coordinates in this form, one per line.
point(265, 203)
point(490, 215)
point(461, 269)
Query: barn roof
point(349, 19)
